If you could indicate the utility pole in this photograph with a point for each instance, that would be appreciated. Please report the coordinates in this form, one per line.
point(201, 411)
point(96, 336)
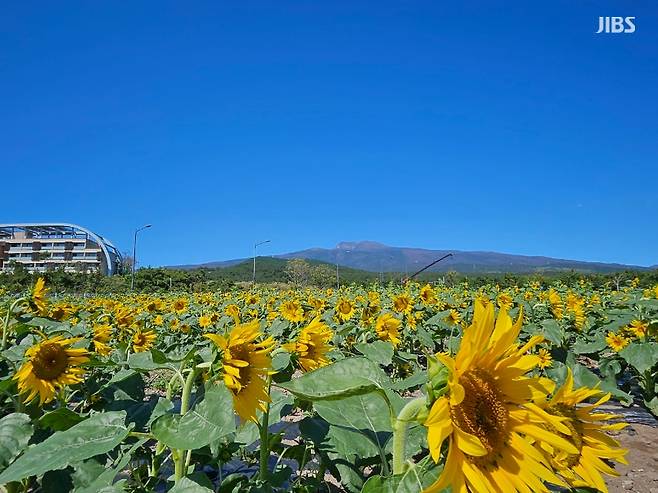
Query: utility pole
point(256, 245)
point(132, 277)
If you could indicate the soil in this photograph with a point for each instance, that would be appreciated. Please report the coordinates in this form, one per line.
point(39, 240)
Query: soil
point(641, 473)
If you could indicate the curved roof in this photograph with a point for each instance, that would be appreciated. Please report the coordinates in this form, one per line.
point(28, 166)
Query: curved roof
point(112, 255)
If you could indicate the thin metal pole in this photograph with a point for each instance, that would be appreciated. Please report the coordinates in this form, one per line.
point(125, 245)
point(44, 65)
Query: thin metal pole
point(253, 277)
point(407, 279)
point(132, 277)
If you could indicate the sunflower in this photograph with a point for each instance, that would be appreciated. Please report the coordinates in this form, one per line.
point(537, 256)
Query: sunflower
point(388, 327)
point(427, 295)
point(102, 335)
point(38, 298)
point(312, 345)
point(51, 364)
point(638, 328)
point(488, 416)
point(556, 303)
point(545, 358)
point(61, 311)
point(587, 433)
point(616, 342)
point(251, 299)
point(292, 311)
point(180, 305)
point(402, 303)
point(504, 301)
point(205, 321)
point(344, 310)
point(369, 313)
point(454, 317)
point(233, 311)
point(246, 365)
point(143, 340)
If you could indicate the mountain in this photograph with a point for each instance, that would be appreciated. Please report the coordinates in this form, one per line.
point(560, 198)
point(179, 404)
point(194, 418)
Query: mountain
point(376, 257)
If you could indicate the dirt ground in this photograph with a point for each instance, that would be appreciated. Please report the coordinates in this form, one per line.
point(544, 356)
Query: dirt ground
point(641, 475)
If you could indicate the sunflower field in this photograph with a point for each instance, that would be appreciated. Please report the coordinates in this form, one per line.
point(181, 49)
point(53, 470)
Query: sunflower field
point(398, 388)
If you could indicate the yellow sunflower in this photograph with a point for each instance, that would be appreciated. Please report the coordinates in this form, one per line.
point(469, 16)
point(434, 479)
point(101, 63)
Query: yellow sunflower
point(102, 335)
point(143, 340)
point(427, 295)
point(233, 311)
point(312, 345)
point(38, 297)
point(505, 301)
point(180, 305)
point(454, 317)
point(488, 415)
point(246, 365)
point(402, 303)
point(51, 364)
point(545, 358)
point(638, 328)
point(205, 321)
point(344, 310)
point(616, 342)
point(388, 328)
point(292, 311)
point(595, 449)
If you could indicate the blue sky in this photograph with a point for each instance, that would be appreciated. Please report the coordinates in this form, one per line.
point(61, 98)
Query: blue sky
point(502, 126)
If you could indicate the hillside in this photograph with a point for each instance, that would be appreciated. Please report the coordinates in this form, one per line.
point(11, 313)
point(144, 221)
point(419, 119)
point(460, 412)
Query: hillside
point(376, 258)
point(269, 269)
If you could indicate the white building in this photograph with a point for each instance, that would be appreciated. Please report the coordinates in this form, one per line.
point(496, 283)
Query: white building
point(43, 246)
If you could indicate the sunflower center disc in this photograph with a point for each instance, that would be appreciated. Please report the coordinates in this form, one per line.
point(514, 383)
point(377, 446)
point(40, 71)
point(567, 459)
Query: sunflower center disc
point(50, 362)
point(482, 413)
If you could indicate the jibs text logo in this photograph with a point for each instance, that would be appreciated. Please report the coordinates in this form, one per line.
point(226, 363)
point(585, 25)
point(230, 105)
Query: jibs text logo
point(616, 25)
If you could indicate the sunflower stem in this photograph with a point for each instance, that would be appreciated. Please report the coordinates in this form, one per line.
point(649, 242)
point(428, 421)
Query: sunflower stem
point(264, 438)
point(180, 461)
point(5, 326)
point(400, 424)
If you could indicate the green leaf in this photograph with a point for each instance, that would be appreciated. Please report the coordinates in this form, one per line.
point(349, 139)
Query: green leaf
point(351, 376)
point(186, 485)
point(362, 412)
point(104, 483)
point(15, 433)
point(209, 420)
point(343, 442)
point(149, 360)
point(552, 331)
point(596, 345)
point(652, 405)
point(416, 478)
point(248, 433)
point(641, 356)
point(280, 361)
point(584, 377)
point(60, 419)
point(418, 378)
point(378, 351)
point(96, 435)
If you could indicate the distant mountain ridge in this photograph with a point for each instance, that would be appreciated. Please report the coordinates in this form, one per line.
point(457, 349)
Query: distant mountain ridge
point(377, 257)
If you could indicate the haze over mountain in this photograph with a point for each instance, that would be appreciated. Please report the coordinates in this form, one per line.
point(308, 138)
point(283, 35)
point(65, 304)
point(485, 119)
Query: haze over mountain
point(376, 257)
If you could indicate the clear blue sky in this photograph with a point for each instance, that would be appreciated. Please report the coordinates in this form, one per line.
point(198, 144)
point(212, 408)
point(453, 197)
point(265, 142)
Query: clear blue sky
point(504, 126)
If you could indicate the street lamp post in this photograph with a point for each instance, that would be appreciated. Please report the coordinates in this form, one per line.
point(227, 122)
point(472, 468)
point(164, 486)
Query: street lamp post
point(253, 278)
point(337, 277)
point(132, 276)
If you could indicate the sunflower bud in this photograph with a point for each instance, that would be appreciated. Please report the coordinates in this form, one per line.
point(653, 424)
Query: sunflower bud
point(437, 377)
